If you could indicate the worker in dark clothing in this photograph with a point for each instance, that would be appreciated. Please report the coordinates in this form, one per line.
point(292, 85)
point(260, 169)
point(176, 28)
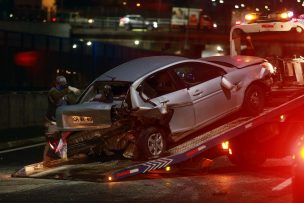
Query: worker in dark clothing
point(57, 96)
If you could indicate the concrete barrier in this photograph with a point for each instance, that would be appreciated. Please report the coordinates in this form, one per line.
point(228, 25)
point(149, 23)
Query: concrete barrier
point(50, 29)
point(22, 109)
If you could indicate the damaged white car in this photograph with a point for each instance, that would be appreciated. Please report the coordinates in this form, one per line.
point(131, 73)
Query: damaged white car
point(143, 106)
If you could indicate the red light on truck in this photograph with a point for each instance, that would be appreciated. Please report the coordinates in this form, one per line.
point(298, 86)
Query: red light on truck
point(225, 145)
point(302, 153)
point(230, 151)
point(282, 118)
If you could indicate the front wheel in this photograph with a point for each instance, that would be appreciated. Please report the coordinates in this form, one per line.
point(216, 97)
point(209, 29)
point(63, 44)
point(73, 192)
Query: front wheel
point(152, 143)
point(254, 100)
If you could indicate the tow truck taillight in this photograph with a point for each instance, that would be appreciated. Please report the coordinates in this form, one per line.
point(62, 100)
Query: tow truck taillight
point(282, 118)
point(230, 151)
point(225, 145)
point(238, 22)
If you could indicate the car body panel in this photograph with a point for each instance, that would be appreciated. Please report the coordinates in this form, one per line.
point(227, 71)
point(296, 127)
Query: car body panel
point(210, 101)
point(84, 116)
point(181, 104)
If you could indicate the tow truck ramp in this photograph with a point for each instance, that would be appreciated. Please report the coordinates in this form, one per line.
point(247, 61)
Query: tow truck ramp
point(119, 169)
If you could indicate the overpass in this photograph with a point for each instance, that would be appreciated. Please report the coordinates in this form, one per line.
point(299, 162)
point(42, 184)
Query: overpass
point(169, 41)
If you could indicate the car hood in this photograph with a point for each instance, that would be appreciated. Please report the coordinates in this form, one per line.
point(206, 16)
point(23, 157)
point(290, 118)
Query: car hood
point(89, 115)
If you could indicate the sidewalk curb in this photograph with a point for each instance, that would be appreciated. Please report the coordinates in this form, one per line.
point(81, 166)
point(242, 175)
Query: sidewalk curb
point(20, 143)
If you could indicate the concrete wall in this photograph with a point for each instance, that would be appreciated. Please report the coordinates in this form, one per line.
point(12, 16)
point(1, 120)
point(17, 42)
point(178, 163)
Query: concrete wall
point(50, 29)
point(24, 109)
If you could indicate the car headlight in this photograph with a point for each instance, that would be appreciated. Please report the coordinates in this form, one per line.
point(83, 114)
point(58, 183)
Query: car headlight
point(155, 25)
point(268, 66)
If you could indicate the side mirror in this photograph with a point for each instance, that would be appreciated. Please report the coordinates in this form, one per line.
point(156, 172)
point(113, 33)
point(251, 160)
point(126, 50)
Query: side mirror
point(164, 108)
point(226, 83)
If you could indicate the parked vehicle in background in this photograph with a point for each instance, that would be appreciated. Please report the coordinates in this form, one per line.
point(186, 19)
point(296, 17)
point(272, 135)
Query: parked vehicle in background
point(206, 23)
point(130, 22)
point(192, 18)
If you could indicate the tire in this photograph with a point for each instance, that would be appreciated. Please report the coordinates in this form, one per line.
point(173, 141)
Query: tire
point(152, 143)
point(254, 100)
point(247, 156)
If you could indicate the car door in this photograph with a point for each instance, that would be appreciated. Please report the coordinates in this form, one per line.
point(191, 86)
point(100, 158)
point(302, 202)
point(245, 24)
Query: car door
point(210, 100)
point(162, 88)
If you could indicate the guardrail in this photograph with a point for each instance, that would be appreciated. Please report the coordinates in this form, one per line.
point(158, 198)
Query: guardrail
point(22, 109)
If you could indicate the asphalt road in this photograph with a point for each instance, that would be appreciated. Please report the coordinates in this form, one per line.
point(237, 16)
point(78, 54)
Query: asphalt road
point(223, 182)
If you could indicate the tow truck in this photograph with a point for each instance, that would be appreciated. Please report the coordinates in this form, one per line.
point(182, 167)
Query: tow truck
point(247, 140)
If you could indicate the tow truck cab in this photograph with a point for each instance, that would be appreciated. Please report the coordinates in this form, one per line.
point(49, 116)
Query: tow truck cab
point(283, 30)
point(276, 37)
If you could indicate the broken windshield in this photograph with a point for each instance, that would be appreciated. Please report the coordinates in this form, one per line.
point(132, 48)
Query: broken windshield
point(106, 91)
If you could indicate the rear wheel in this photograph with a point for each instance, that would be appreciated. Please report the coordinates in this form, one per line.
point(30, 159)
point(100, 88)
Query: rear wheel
point(254, 100)
point(247, 155)
point(249, 158)
point(152, 143)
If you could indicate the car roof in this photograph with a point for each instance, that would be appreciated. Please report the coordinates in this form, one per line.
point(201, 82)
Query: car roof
point(234, 61)
point(137, 68)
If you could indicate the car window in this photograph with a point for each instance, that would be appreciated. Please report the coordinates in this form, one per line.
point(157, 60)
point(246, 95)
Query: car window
point(98, 91)
point(194, 73)
point(158, 84)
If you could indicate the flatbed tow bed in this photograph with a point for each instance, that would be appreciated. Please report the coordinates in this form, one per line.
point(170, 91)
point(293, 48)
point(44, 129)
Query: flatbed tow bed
point(283, 101)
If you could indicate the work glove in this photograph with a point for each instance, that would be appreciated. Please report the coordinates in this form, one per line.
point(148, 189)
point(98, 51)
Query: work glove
point(74, 90)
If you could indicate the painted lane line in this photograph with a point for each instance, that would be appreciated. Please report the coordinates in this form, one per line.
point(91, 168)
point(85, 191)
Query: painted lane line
point(282, 185)
point(21, 148)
